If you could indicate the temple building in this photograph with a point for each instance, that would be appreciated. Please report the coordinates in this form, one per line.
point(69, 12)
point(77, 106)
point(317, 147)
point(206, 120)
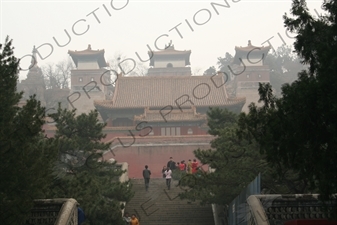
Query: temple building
point(154, 117)
point(169, 99)
point(163, 114)
point(89, 80)
point(248, 71)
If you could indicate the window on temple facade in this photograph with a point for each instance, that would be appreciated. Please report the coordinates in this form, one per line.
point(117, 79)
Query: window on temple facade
point(122, 122)
point(169, 65)
point(189, 131)
point(170, 131)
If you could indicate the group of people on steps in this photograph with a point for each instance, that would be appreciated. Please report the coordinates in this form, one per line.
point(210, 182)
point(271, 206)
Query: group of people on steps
point(133, 220)
point(190, 168)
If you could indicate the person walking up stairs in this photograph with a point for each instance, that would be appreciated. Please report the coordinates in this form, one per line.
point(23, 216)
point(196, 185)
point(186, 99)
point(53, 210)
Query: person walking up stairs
point(168, 176)
point(146, 175)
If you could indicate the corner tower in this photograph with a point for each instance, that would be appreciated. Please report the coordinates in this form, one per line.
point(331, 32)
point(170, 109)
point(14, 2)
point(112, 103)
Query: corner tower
point(89, 81)
point(169, 62)
point(248, 71)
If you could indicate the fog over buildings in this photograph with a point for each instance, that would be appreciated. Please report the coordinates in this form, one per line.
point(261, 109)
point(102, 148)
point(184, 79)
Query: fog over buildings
point(208, 28)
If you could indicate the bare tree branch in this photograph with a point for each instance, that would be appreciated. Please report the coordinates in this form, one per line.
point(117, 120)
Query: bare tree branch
point(127, 66)
point(57, 76)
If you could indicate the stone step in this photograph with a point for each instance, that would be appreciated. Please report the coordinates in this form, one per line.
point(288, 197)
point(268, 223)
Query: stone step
point(159, 206)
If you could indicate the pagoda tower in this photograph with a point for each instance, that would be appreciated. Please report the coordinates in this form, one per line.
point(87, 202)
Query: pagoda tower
point(89, 80)
point(248, 70)
point(34, 83)
point(169, 62)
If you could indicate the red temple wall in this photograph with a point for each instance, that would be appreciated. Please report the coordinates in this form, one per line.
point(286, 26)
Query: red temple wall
point(137, 154)
point(153, 156)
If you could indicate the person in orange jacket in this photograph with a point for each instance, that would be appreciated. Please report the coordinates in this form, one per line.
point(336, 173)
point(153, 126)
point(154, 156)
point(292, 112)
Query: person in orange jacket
point(134, 220)
point(182, 166)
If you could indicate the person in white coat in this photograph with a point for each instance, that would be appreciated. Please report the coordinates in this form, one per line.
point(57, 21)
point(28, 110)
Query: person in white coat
point(168, 176)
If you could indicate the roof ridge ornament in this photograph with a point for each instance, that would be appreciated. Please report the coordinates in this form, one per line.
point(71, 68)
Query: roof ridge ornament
point(169, 46)
point(33, 62)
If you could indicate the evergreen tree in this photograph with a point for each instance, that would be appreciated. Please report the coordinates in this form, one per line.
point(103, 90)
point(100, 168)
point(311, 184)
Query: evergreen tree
point(210, 71)
point(284, 65)
point(81, 172)
point(299, 128)
point(224, 64)
point(26, 155)
point(236, 161)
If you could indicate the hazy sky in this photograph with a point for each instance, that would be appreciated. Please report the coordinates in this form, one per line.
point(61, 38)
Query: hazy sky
point(208, 30)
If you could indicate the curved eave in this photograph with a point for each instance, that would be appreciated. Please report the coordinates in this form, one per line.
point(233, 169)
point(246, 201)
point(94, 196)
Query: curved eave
point(169, 52)
point(170, 121)
point(110, 106)
point(86, 52)
point(251, 48)
point(98, 55)
point(164, 53)
point(103, 111)
point(250, 52)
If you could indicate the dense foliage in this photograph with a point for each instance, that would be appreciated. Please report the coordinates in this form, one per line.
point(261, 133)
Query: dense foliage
point(68, 165)
point(291, 139)
point(26, 156)
point(81, 172)
point(299, 128)
point(210, 71)
point(235, 161)
point(284, 65)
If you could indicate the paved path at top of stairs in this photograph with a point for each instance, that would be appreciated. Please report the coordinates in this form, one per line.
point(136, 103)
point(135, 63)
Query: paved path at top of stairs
point(159, 206)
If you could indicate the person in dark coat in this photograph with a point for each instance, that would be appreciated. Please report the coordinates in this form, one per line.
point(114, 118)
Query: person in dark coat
point(163, 171)
point(171, 164)
point(80, 216)
point(146, 175)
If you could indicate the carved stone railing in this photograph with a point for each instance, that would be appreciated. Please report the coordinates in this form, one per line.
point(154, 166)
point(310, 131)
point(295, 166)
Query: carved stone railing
point(61, 211)
point(277, 209)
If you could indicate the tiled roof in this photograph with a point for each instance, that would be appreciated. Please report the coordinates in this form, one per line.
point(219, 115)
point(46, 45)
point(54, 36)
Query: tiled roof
point(250, 51)
point(94, 54)
point(163, 91)
point(169, 52)
point(87, 51)
point(251, 47)
point(171, 116)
